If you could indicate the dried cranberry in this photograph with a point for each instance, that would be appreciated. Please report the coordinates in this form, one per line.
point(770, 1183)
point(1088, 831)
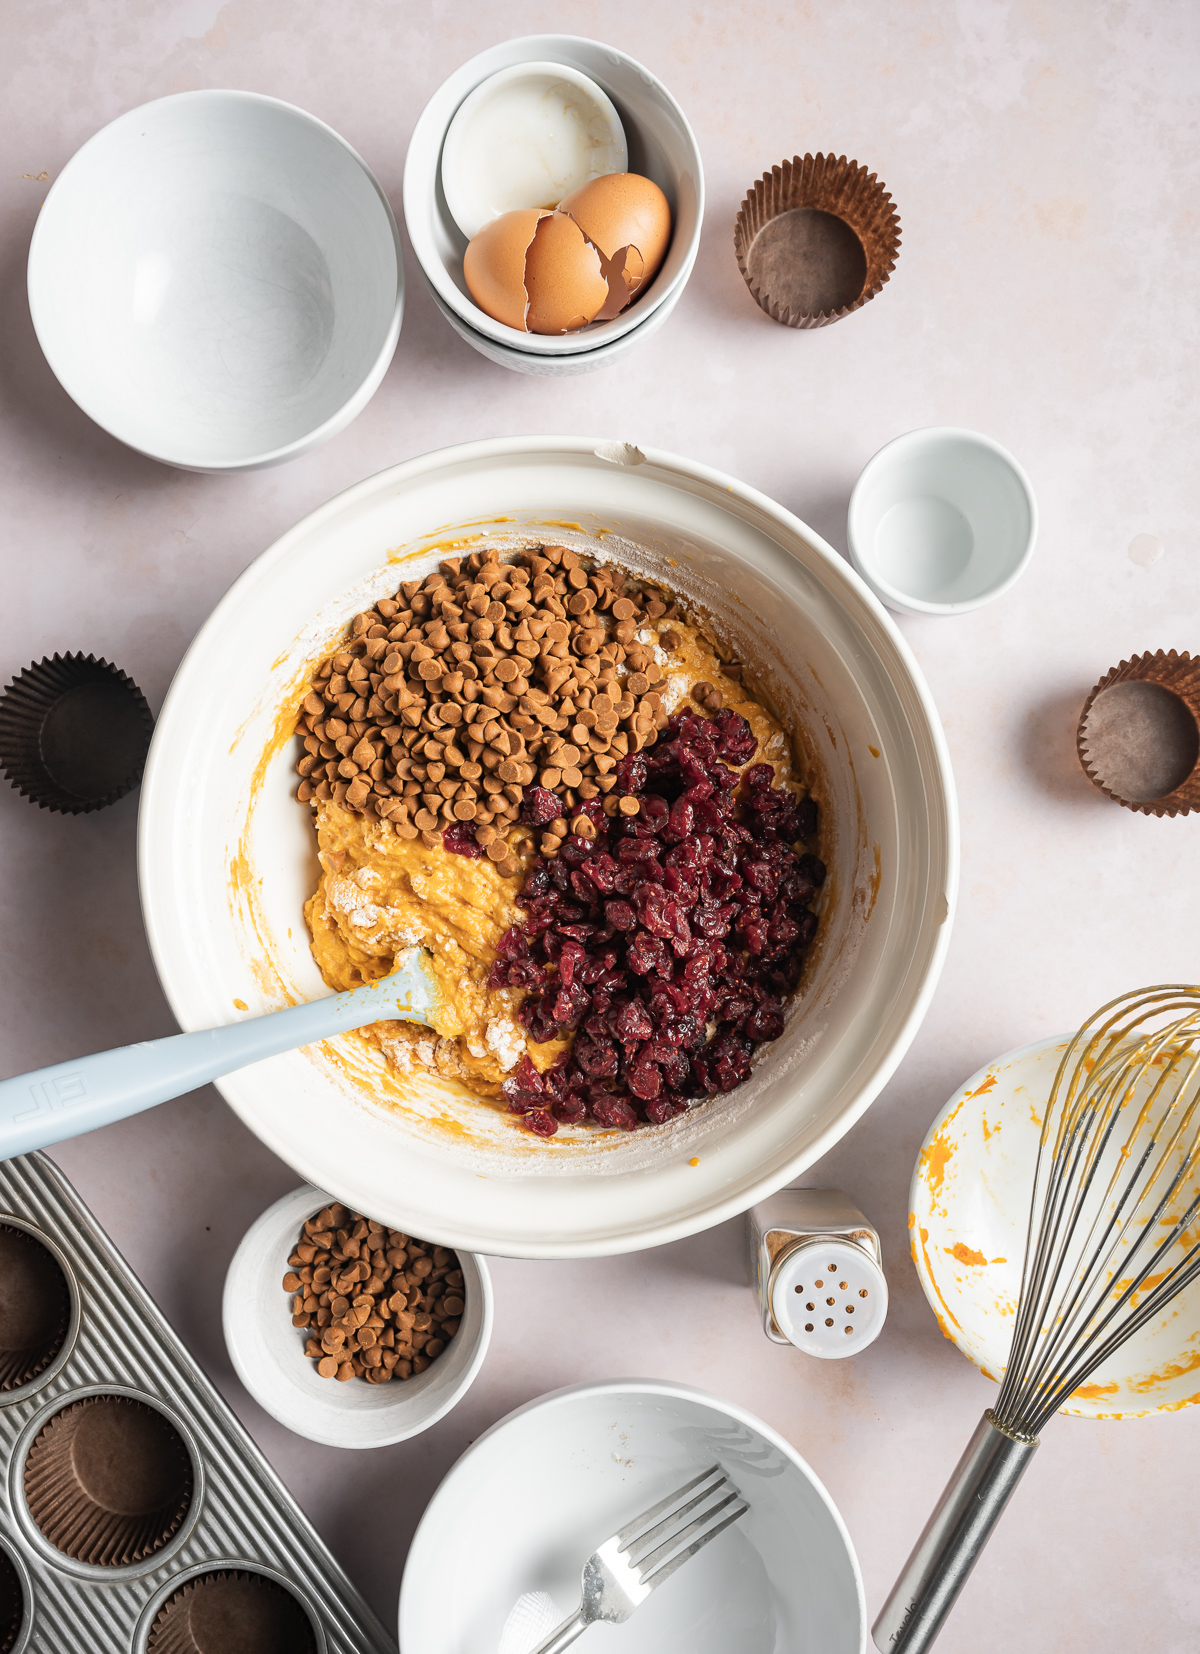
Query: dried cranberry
point(460, 840)
point(614, 1111)
point(644, 1079)
point(766, 1022)
point(594, 1060)
point(761, 876)
point(537, 1120)
point(670, 939)
point(540, 806)
point(806, 818)
point(737, 742)
point(631, 773)
point(570, 955)
point(632, 1021)
point(646, 954)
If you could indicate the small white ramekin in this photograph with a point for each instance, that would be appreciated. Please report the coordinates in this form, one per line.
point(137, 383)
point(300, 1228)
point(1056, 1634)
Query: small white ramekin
point(941, 521)
point(267, 1351)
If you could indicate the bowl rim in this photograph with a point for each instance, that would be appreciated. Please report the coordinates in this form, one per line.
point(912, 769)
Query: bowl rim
point(924, 436)
point(237, 1309)
point(353, 403)
point(434, 269)
point(454, 135)
point(155, 813)
point(579, 361)
point(640, 1387)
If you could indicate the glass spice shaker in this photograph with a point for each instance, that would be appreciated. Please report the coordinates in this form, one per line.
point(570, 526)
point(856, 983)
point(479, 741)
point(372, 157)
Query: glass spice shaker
point(818, 1272)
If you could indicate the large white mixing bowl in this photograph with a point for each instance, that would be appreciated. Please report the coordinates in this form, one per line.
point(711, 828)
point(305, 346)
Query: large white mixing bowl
point(227, 857)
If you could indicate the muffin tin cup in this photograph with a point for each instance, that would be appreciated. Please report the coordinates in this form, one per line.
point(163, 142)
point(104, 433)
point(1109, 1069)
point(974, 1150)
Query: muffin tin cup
point(109, 1481)
point(35, 1340)
point(53, 1516)
point(816, 239)
point(16, 1602)
point(74, 733)
point(164, 1629)
point(1139, 734)
point(239, 1518)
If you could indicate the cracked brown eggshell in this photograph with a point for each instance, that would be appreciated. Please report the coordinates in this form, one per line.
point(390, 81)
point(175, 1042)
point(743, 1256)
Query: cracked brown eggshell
point(563, 277)
point(536, 271)
point(494, 265)
point(624, 212)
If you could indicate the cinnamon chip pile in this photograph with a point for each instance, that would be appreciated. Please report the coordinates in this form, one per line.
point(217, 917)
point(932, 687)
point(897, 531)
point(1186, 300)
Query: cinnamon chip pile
point(451, 698)
point(381, 1304)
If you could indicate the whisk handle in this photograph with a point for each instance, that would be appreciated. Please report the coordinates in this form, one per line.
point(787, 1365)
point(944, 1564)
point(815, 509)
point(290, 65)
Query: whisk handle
point(954, 1535)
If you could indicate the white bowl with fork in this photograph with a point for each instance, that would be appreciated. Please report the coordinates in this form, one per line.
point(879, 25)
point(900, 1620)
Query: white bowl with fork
point(541, 1490)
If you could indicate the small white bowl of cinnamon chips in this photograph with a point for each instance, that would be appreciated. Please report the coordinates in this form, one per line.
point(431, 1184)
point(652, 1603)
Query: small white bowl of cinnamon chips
point(350, 1333)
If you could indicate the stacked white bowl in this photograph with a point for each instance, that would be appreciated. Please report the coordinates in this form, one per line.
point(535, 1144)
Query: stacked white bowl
point(661, 147)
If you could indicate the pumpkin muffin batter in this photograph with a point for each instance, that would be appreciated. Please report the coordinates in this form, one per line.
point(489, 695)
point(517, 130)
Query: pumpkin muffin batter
point(379, 893)
point(479, 761)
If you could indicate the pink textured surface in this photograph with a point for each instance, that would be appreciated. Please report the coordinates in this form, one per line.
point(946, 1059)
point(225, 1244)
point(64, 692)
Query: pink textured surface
point(1044, 160)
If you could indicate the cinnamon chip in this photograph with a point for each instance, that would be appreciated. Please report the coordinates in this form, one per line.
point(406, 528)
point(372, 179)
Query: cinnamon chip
point(406, 1313)
point(500, 675)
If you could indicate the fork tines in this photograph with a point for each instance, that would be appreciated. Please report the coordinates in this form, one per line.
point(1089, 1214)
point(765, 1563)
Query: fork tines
point(698, 1511)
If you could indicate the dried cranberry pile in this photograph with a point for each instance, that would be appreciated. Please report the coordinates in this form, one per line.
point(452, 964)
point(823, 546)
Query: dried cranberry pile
point(690, 915)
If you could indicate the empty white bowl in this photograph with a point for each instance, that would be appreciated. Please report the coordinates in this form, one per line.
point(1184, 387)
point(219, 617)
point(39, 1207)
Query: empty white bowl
point(661, 146)
point(527, 137)
point(532, 1498)
point(215, 279)
point(941, 521)
point(268, 1356)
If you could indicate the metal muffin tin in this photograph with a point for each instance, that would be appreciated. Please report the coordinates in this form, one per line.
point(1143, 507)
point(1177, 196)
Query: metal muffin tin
point(240, 1515)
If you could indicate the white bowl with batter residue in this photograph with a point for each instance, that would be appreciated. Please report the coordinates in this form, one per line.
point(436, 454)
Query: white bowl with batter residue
point(227, 856)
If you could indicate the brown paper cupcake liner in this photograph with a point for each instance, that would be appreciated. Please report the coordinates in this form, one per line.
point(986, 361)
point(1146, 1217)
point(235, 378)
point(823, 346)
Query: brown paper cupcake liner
point(109, 1481)
point(1139, 734)
point(12, 1604)
point(35, 1308)
point(74, 733)
point(231, 1612)
point(815, 239)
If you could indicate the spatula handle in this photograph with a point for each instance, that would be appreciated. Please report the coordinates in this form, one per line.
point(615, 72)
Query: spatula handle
point(68, 1098)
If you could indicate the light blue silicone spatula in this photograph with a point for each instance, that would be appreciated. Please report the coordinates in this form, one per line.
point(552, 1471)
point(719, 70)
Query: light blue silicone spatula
point(72, 1097)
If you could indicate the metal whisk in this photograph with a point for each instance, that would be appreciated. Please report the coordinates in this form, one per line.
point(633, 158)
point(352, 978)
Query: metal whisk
point(1116, 1193)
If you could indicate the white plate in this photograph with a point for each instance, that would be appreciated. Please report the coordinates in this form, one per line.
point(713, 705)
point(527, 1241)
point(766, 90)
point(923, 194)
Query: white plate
point(533, 1497)
point(969, 1211)
point(227, 857)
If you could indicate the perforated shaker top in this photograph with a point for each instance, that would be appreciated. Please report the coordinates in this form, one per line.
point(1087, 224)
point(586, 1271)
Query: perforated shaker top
point(829, 1298)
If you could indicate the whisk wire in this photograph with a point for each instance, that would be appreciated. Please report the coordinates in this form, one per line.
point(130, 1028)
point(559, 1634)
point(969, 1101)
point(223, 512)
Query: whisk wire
point(1119, 1147)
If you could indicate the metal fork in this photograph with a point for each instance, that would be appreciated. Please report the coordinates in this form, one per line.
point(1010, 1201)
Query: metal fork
point(620, 1575)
